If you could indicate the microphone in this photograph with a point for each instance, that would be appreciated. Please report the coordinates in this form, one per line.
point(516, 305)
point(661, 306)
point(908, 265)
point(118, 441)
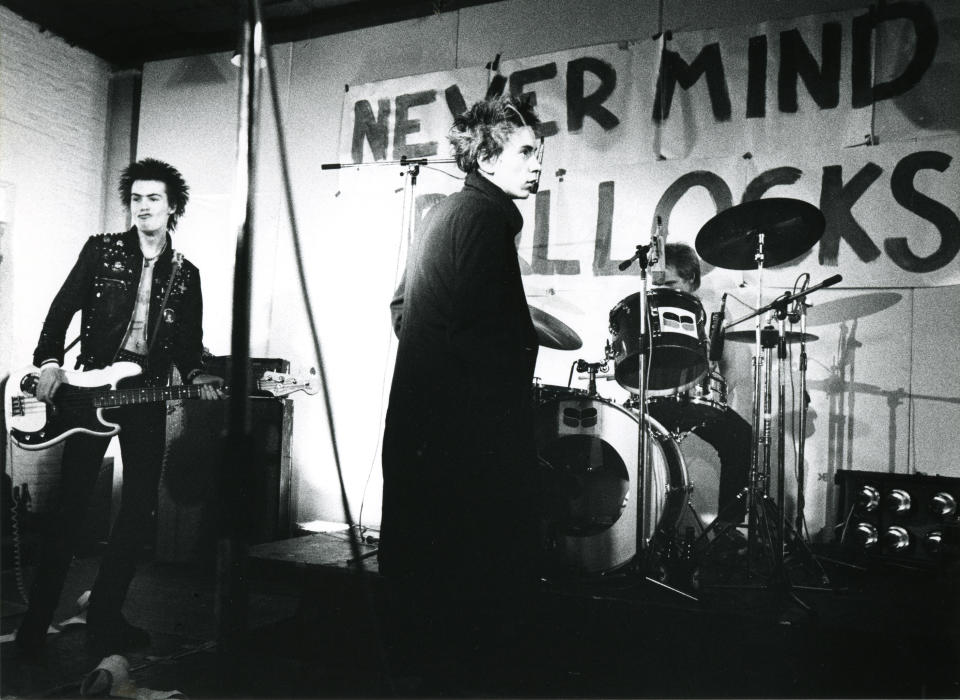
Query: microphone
point(797, 310)
point(830, 281)
point(627, 263)
point(716, 331)
point(659, 267)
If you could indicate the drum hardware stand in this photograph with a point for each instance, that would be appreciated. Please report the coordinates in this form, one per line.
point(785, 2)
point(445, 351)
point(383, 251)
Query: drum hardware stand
point(754, 487)
point(591, 368)
point(766, 515)
point(645, 256)
point(799, 313)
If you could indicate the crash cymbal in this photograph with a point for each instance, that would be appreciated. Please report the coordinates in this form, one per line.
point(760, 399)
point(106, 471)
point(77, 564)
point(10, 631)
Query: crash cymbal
point(750, 336)
point(791, 227)
point(849, 308)
point(552, 332)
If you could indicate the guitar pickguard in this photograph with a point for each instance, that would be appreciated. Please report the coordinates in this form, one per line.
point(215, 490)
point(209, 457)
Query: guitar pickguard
point(39, 425)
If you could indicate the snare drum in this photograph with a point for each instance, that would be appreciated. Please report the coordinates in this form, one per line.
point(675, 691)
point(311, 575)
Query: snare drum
point(685, 411)
point(677, 324)
point(588, 455)
point(542, 393)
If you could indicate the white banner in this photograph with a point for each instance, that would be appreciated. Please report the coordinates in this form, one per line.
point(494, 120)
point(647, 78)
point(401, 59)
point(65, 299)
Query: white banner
point(686, 126)
point(826, 109)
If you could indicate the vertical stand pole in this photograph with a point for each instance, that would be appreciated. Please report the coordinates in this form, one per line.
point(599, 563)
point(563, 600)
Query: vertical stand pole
point(781, 439)
point(642, 554)
point(758, 368)
point(235, 470)
point(801, 470)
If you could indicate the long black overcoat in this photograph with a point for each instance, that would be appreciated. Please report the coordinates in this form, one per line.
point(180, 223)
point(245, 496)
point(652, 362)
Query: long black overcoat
point(459, 458)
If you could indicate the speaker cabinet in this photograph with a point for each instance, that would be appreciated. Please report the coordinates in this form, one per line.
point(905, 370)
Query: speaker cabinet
point(186, 514)
point(909, 519)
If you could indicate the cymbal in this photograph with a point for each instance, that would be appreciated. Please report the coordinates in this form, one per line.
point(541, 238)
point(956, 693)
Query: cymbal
point(552, 332)
point(791, 227)
point(751, 336)
point(849, 308)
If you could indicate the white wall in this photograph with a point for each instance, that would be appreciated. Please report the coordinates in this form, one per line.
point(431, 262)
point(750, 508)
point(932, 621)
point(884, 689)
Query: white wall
point(53, 133)
point(188, 117)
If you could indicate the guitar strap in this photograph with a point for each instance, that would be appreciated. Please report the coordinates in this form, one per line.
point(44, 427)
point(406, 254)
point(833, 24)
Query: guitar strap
point(177, 261)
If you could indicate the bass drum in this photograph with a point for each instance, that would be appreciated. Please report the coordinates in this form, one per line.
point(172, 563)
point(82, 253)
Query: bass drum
point(588, 457)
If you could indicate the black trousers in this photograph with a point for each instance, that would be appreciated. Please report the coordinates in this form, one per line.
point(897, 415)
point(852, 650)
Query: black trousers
point(142, 436)
point(731, 436)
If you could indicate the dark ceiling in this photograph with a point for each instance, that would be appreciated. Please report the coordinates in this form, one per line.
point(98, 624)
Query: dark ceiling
point(128, 33)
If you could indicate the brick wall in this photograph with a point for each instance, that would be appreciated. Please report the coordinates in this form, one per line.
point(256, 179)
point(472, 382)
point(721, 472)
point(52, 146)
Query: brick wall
point(53, 143)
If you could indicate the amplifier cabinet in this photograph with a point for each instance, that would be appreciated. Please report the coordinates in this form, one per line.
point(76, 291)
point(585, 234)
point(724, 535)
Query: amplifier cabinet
point(186, 513)
point(908, 519)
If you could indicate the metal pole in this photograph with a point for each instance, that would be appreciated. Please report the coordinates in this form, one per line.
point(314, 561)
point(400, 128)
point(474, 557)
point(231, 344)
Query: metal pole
point(236, 469)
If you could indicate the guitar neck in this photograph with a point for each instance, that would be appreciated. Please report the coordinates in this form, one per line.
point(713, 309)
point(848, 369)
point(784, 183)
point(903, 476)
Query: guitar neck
point(126, 397)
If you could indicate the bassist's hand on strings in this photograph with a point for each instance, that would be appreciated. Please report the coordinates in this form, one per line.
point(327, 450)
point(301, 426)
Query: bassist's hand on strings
point(51, 377)
point(209, 386)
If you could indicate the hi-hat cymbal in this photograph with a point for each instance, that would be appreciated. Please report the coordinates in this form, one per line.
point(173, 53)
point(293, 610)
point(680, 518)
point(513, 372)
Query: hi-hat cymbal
point(730, 239)
point(751, 336)
point(552, 332)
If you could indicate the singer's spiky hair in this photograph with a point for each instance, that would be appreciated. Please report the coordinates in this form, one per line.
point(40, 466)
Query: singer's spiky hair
point(482, 130)
point(684, 260)
point(178, 192)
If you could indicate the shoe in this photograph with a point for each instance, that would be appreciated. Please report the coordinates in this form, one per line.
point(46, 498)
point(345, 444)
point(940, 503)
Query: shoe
point(116, 637)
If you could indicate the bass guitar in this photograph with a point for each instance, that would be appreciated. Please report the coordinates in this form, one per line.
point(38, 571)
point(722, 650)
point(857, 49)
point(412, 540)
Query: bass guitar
point(80, 401)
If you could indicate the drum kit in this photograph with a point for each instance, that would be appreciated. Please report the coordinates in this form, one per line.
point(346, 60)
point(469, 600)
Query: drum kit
point(615, 493)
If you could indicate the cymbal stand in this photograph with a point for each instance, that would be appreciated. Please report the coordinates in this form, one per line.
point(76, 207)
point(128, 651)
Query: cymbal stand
point(765, 519)
point(799, 523)
point(767, 516)
point(760, 417)
point(760, 398)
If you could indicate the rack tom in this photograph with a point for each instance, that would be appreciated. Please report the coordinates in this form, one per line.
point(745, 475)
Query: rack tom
point(677, 336)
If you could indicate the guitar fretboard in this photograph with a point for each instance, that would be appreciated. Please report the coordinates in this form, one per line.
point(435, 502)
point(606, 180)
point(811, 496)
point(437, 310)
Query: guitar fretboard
point(125, 397)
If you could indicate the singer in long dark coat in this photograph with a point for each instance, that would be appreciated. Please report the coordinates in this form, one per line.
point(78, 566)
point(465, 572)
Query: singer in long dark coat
point(459, 523)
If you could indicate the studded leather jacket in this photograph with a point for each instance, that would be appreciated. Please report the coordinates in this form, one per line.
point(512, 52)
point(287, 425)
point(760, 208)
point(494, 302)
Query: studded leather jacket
point(103, 286)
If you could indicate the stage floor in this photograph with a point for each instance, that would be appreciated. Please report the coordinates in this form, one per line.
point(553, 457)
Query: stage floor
point(836, 630)
point(877, 632)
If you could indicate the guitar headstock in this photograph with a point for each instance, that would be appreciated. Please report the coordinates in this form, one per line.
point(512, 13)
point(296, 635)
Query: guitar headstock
point(282, 384)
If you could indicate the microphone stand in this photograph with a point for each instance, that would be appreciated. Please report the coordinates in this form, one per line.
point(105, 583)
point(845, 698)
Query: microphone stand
point(642, 561)
point(412, 166)
point(235, 474)
point(645, 255)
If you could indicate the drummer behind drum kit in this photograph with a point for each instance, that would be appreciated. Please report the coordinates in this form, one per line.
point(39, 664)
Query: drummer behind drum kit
point(597, 463)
